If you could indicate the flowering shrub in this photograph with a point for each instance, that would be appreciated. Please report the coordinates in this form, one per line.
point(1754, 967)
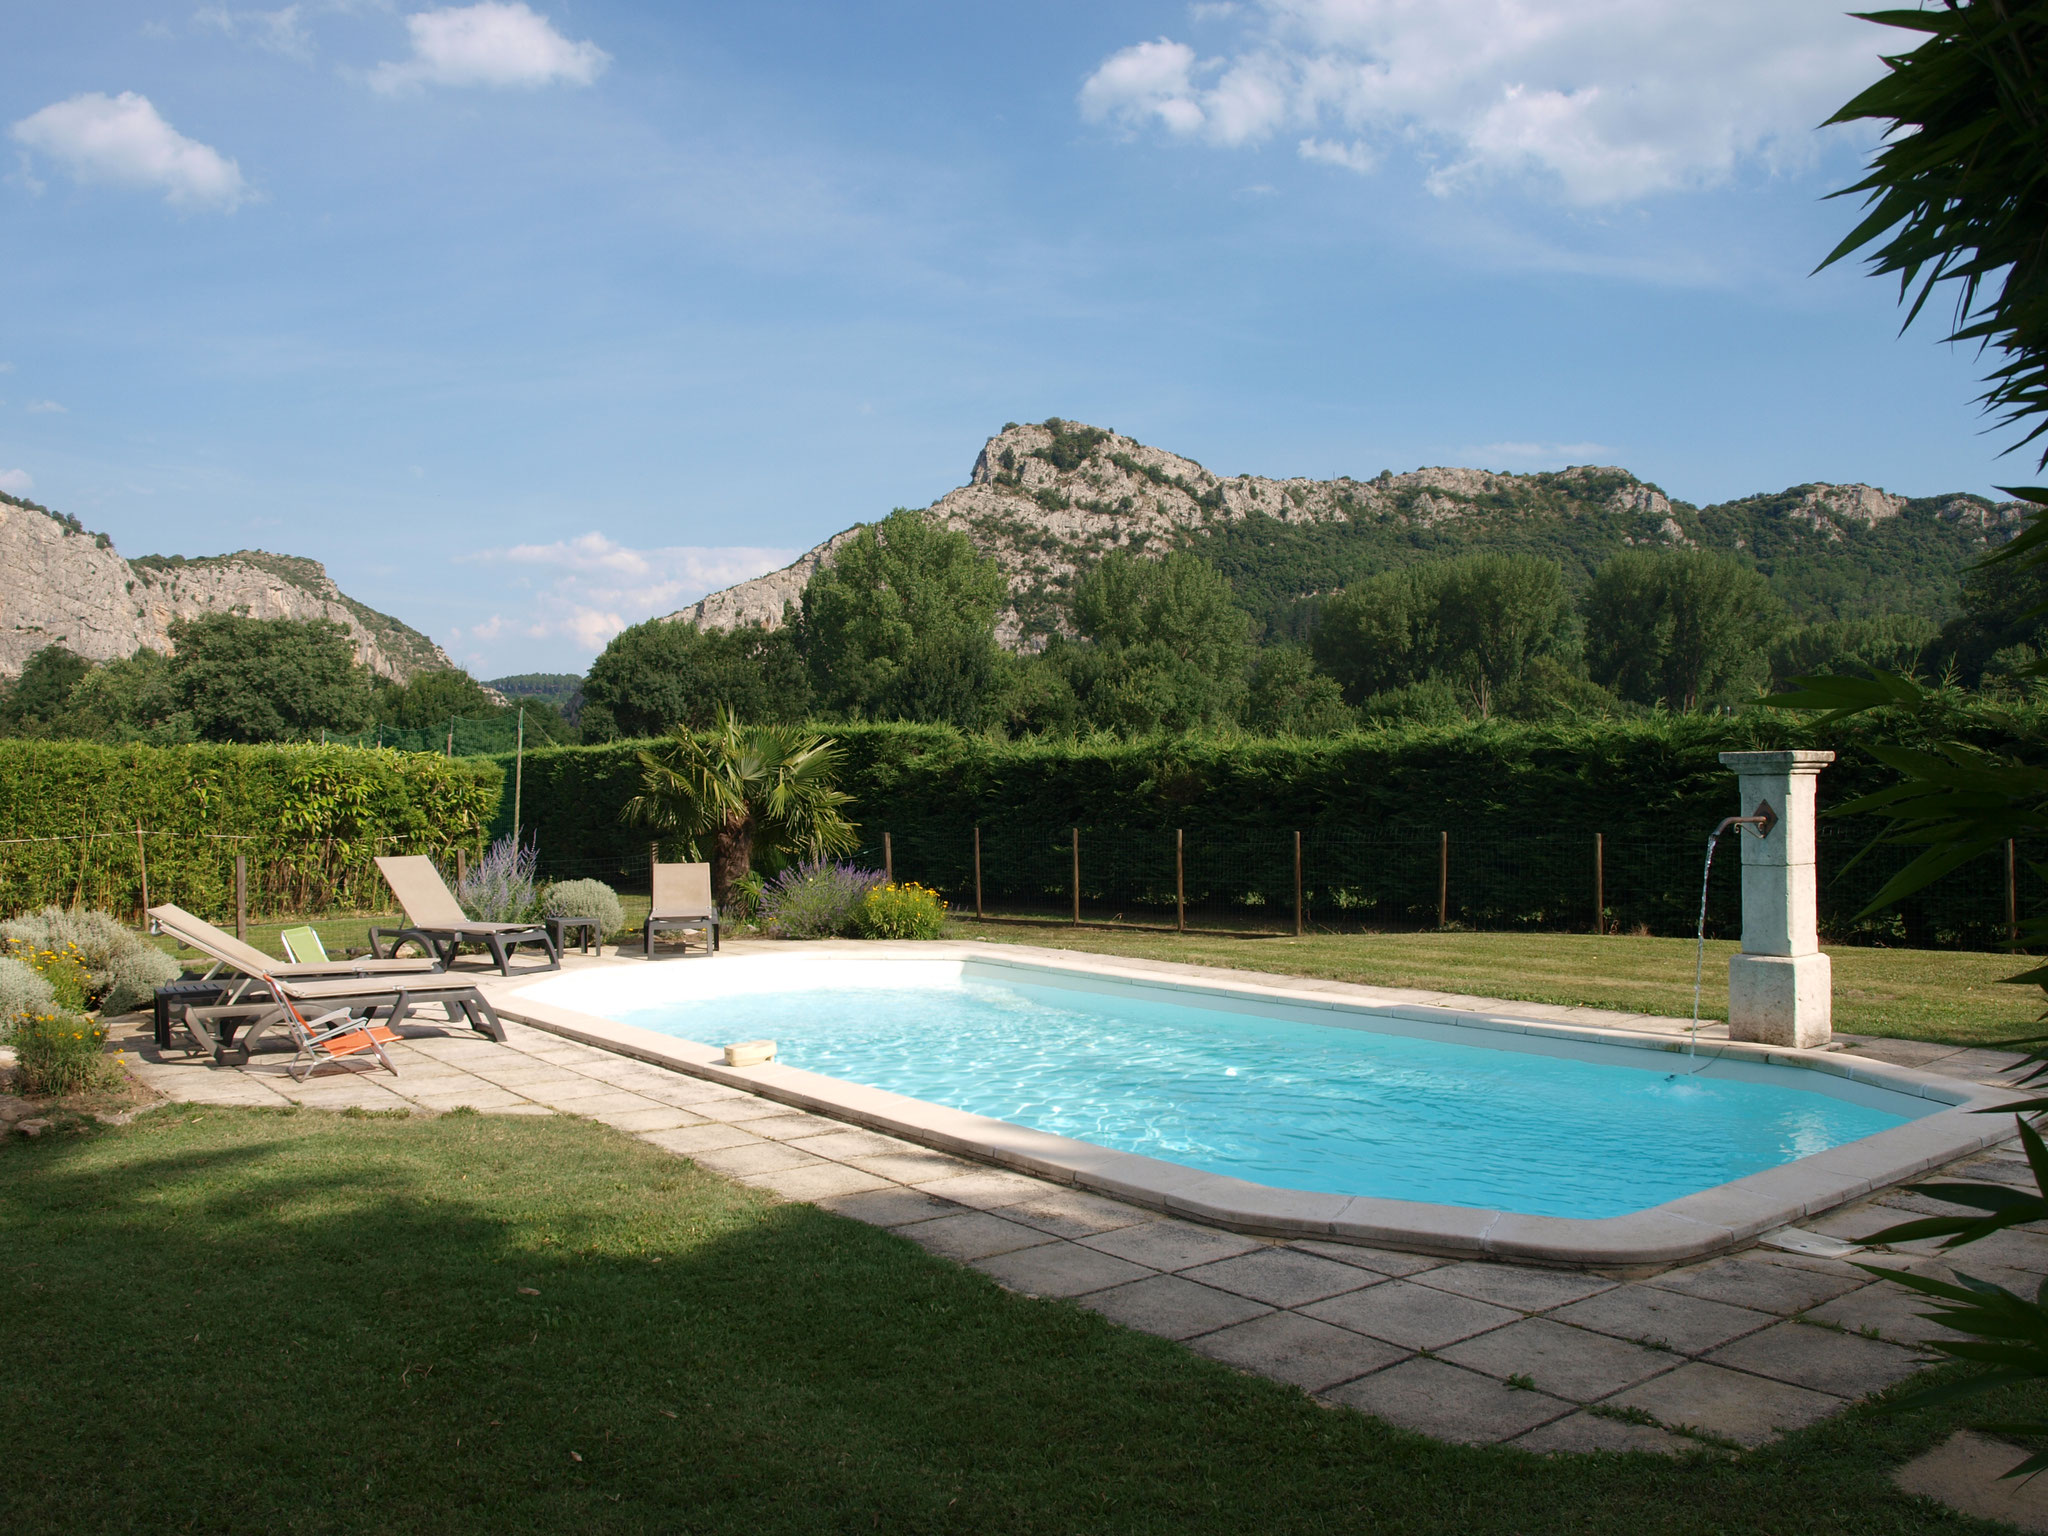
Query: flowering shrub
point(499, 887)
point(905, 910)
point(122, 969)
point(62, 1053)
point(585, 898)
point(815, 900)
point(23, 991)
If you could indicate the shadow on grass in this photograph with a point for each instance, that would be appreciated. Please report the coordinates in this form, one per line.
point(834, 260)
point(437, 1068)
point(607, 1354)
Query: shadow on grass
point(231, 1320)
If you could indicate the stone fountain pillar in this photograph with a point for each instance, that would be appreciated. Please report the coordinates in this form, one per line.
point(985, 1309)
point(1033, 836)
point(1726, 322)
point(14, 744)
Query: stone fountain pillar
point(1780, 990)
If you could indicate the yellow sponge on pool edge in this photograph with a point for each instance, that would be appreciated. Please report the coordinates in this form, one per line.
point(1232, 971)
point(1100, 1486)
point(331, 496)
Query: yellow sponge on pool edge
point(750, 1053)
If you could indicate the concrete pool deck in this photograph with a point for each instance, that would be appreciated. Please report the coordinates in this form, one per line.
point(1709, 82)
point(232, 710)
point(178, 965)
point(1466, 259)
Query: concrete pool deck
point(1733, 1351)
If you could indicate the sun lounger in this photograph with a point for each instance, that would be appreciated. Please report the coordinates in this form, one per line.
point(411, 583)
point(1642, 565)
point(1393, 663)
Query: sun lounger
point(243, 963)
point(277, 1001)
point(682, 904)
point(437, 923)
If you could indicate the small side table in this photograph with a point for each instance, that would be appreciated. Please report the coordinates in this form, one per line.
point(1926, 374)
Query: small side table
point(173, 998)
point(585, 928)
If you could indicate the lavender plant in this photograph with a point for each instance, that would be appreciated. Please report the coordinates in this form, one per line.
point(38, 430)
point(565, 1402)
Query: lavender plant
point(500, 887)
point(816, 899)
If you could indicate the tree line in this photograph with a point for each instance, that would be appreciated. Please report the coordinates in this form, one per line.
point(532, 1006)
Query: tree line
point(231, 678)
point(903, 627)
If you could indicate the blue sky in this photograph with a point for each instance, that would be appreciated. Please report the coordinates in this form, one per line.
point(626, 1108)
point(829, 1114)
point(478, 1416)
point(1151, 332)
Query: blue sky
point(535, 321)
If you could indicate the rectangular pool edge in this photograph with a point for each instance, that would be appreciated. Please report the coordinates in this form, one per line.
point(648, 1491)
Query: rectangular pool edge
point(1684, 1230)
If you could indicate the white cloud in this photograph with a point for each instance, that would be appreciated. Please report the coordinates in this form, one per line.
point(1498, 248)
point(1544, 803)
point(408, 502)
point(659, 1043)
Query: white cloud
point(16, 482)
point(1354, 156)
point(593, 587)
point(281, 31)
point(492, 43)
point(122, 139)
point(1592, 101)
point(44, 408)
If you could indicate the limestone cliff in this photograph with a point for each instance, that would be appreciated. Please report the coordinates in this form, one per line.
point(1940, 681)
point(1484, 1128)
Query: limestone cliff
point(62, 584)
point(1048, 500)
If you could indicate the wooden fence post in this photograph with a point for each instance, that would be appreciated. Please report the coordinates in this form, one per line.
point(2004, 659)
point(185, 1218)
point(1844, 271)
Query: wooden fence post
point(977, 869)
point(1599, 882)
point(518, 776)
point(1077, 873)
point(1443, 880)
point(461, 867)
point(1180, 880)
point(2012, 888)
point(888, 861)
point(142, 860)
point(242, 897)
point(1297, 885)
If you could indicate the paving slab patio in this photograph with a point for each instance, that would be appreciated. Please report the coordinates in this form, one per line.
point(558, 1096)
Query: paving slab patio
point(1560, 1359)
point(1728, 1405)
point(1172, 1307)
point(1447, 1402)
point(1821, 1358)
point(1286, 1346)
point(1708, 1346)
point(1402, 1312)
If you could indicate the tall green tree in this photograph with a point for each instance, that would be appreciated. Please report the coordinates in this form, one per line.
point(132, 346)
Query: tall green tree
point(740, 793)
point(662, 673)
point(433, 698)
point(1291, 696)
point(1474, 623)
point(901, 625)
point(40, 693)
point(1892, 642)
point(1680, 628)
point(1167, 646)
point(244, 679)
point(128, 699)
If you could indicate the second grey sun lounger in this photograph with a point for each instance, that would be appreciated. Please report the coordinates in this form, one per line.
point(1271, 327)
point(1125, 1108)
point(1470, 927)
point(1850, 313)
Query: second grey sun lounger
point(682, 903)
point(437, 923)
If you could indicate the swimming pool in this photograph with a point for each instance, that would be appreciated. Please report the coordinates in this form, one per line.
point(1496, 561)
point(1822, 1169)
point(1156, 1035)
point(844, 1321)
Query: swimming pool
point(1292, 1094)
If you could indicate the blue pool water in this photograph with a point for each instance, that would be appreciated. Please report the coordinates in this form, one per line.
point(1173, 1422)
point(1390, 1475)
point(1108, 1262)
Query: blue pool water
point(1299, 1105)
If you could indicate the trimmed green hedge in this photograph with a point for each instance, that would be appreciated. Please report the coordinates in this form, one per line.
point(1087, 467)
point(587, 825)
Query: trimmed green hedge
point(308, 818)
point(1521, 803)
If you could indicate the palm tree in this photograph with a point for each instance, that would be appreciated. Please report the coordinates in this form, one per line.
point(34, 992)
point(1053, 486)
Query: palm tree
point(742, 785)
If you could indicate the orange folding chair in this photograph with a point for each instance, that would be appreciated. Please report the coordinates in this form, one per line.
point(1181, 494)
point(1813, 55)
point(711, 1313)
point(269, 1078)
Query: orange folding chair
point(334, 1036)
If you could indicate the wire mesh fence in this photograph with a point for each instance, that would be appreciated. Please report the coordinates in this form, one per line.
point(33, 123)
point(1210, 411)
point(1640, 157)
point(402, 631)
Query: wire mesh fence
point(1356, 877)
point(1322, 878)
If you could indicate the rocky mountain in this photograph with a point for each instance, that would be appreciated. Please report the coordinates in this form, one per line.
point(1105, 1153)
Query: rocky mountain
point(1048, 500)
point(60, 583)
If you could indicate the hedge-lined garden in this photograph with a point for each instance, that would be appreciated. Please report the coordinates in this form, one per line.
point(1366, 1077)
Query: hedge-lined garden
point(1521, 802)
point(308, 820)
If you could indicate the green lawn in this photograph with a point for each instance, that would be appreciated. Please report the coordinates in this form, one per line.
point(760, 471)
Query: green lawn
point(1914, 994)
point(262, 1321)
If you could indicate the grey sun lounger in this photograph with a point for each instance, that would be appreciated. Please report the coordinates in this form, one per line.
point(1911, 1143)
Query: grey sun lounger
point(214, 1028)
point(436, 922)
point(239, 966)
point(682, 904)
